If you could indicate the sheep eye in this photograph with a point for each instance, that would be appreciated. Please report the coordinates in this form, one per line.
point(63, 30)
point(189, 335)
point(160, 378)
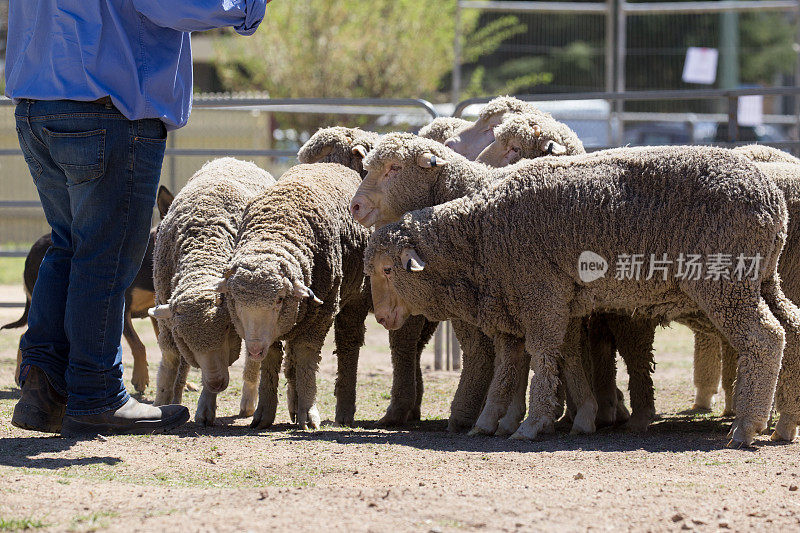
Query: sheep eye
point(279, 300)
point(387, 270)
point(515, 149)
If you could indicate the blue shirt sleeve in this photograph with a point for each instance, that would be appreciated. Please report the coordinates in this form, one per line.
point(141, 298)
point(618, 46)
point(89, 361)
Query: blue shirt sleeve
point(202, 15)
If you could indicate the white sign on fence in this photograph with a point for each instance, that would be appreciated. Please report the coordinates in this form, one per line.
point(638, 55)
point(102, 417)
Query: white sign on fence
point(751, 110)
point(700, 65)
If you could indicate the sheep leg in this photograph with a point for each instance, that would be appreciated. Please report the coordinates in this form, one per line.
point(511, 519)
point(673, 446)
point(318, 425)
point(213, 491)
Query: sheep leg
point(180, 381)
point(729, 361)
point(602, 357)
point(516, 409)
point(206, 412)
point(635, 339)
point(706, 369)
point(404, 344)
point(756, 334)
point(167, 369)
point(291, 386)
point(787, 396)
point(509, 370)
point(575, 380)
point(250, 376)
point(348, 327)
point(264, 415)
point(306, 357)
point(141, 376)
point(545, 345)
point(476, 375)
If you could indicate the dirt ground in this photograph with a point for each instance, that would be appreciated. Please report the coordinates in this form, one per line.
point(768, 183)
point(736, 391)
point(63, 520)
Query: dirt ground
point(678, 476)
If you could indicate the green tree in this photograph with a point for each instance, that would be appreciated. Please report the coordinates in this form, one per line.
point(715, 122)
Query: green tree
point(346, 48)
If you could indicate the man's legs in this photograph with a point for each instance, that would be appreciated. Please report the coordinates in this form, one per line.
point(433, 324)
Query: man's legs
point(109, 169)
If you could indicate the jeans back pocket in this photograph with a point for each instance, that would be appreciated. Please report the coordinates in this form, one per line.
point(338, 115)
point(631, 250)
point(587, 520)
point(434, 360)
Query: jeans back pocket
point(81, 155)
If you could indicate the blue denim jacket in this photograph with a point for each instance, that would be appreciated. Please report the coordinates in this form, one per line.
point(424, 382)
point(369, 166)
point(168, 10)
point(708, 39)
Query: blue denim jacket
point(138, 52)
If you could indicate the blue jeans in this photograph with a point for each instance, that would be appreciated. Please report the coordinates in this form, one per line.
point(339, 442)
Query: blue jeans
point(97, 174)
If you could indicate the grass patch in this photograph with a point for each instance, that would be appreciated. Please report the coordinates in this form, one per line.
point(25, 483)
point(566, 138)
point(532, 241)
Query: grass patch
point(11, 270)
point(20, 524)
point(93, 521)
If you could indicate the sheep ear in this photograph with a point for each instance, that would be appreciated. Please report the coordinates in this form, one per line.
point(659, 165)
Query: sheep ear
point(301, 291)
point(222, 286)
point(310, 153)
point(359, 150)
point(428, 160)
point(552, 147)
point(537, 131)
point(411, 260)
point(164, 200)
point(160, 311)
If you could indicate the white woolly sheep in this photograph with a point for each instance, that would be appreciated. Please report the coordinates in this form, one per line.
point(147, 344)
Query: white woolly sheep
point(480, 251)
point(194, 243)
point(345, 146)
point(297, 269)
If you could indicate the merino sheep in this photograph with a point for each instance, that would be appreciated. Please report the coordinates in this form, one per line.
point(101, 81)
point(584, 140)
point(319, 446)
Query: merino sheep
point(505, 259)
point(194, 243)
point(713, 356)
point(442, 128)
point(297, 269)
point(348, 147)
point(345, 146)
point(471, 141)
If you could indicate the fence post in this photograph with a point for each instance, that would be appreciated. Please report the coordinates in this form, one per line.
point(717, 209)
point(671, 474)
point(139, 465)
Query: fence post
point(733, 118)
point(437, 347)
point(621, 46)
point(455, 354)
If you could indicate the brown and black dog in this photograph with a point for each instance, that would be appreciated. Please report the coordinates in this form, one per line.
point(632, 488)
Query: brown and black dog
point(139, 297)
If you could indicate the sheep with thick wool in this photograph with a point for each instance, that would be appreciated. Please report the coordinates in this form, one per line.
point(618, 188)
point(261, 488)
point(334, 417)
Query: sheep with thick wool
point(348, 147)
point(297, 269)
point(517, 138)
point(506, 258)
point(194, 244)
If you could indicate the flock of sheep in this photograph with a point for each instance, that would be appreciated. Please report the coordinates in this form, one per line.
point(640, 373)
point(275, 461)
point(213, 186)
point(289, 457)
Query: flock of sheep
point(483, 223)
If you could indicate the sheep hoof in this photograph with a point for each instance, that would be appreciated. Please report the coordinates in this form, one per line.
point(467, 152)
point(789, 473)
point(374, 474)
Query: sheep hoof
point(477, 430)
point(639, 424)
point(314, 420)
point(192, 387)
point(395, 416)
point(785, 429)
point(531, 428)
point(584, 420)
point(741, 436)
point(506, 428)
point(345, 416)
point(457, 425)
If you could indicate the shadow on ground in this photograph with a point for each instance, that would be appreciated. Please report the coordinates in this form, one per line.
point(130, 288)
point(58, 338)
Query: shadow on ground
point(22, 452)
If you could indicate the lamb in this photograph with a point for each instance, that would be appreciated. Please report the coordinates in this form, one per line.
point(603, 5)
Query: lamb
point(297, 268)
point(346, 146)
point(471, 258)
point(442, 128)
point(194, 243)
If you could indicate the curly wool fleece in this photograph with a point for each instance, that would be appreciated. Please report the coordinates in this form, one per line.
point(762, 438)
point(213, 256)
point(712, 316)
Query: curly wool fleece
point(194, 243)
point(480, 251)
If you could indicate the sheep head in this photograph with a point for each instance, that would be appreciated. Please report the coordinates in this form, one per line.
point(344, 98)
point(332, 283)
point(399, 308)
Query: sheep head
point(527, 136)
point(264, 302)
point(346, 146)
point(471, 141)
point(402, 172)
point(442, 128)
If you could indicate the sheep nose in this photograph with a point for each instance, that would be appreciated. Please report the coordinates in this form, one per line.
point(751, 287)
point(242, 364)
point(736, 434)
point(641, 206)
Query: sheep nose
point(381, 320)
point(355, 208)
